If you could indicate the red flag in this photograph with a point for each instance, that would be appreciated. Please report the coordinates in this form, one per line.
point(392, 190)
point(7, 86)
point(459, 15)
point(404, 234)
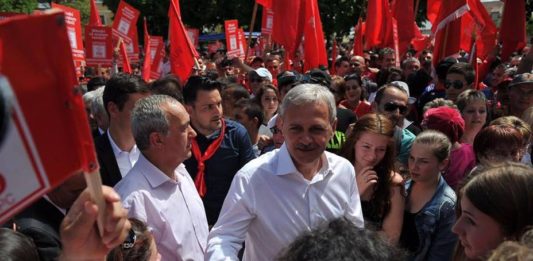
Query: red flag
point(358, 41)
point(286, 21)
point(420, 41)
point(34, 143)
point(265, 3)
point(157, 52)
point(433, 7)
point(513, 27)
point(403, 12)
point(147, 54)
point(376, 20)
point(334, 54)
point(314, 47)
point(94, 19)
point(446, 29)
point(125, 59)
point(182, 53)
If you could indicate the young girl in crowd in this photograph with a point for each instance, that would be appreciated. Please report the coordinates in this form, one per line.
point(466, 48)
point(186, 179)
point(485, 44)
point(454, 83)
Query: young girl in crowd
point(139, 245)
point(495, 206)
point(430, 203)
point(496, 144)
point(268, 98)
point(370, 148)
point(355, 95)
point(473, 107)
point(462, 157)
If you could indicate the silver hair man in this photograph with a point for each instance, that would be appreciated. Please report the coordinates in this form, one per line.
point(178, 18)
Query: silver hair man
point(309, 93)
point(148, 116)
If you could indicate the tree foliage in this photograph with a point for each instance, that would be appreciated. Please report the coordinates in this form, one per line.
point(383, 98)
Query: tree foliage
point(18, 6)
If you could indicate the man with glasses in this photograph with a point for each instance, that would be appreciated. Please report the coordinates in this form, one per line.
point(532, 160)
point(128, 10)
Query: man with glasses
point(392, 101)
point(460, 77)
point(258, 78)
point(520, 94)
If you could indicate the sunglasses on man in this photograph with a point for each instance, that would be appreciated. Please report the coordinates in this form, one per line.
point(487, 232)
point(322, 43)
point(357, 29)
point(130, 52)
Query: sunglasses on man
point(392, 107)
point(455, 84)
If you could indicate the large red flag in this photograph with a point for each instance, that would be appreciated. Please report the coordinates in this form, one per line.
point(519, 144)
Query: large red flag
point(376, 20)
point(446, 28)
point(403, 12)
point(147, 54)
point(477, 25)
point(314, 47)
point(513, 27)
point(286, 22)
point(94, 19)
point(433, 7)
point(182, 53)
point(358, 40)
point(126, 67)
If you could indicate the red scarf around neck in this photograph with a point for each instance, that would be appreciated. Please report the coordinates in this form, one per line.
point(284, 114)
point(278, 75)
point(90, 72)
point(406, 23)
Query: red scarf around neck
point(199, 180)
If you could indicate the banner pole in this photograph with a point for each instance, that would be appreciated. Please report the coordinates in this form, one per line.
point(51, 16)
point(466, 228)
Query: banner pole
point(254, 13)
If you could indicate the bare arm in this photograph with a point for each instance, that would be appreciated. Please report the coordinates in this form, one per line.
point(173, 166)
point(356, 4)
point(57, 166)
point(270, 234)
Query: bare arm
point(393, 222)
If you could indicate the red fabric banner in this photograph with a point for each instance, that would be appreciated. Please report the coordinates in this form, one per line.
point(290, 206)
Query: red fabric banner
point(99, 45)
point(513, 27)
point(314, 46)
point(182, 54)
point(40, 151)
point(242, 43)
point(126, 67)
point(376, 23)
point(286, 23)
point(94, 19)
point(358, 40)
point(403, 12)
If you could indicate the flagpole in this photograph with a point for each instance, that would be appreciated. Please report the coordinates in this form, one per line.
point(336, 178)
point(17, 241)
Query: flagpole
point(254, 13)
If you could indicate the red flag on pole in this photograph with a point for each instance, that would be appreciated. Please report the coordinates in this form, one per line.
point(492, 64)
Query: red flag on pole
point(403, 12)
point(286, 22)
point(446, 28)
point(314, 47)
point(94, 19)
point(513, 27)
point(376, 22)
point(358, 40)
point(182, 53)
point(147, 54)
point(126, 67)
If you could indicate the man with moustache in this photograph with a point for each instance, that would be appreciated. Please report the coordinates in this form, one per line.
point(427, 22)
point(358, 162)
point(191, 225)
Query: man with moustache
point(220, 148)
point(158, 190)
point(291, 190)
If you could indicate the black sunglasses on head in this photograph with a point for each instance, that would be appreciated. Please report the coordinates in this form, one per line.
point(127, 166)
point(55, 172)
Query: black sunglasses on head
point(456, 84)
point(391, 107)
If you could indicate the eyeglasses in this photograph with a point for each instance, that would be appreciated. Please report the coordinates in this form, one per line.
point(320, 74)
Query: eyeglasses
point(275, 130)
point(391, 107)
point(456, 84)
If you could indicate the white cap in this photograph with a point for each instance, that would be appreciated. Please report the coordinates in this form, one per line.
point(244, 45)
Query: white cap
point(264, 73)
point(404, 86)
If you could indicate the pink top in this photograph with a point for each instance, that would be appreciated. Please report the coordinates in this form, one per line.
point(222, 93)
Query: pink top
point(462, 160)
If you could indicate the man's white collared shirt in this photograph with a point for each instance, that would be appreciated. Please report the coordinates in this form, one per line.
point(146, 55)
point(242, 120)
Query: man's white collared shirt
point(125, 159)
point(270, 203)
point(172, 210)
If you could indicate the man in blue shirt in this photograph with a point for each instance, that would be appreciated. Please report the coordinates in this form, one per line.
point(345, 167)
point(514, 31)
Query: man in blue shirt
point(220, 148)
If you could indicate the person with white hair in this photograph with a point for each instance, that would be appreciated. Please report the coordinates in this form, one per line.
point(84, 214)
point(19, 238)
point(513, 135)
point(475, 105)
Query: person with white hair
point(294, 189)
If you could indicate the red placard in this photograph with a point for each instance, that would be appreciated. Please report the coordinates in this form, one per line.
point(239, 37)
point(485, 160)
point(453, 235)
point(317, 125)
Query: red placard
point(232, 41)
point(99, 45)
point(39, 151)
point(125, 23)
point(157, 52)
point(73, 21)
point(242, 43)
point(267, 21)
point(194, 35)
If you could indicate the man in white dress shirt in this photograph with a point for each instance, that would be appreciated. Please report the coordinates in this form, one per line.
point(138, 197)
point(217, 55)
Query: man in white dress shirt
point(158, 190)
point(294, 189)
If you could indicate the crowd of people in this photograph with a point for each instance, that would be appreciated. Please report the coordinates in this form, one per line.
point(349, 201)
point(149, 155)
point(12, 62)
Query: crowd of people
point(257, 160)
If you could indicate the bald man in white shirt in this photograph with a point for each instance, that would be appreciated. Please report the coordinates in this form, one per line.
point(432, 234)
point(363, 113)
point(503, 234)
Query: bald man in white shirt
point(158, 189)
point(296, 188)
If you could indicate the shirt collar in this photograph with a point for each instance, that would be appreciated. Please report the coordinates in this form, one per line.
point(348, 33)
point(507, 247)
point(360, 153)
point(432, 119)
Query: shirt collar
point(286, 165)
point(153, 175)
point(116, 149)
